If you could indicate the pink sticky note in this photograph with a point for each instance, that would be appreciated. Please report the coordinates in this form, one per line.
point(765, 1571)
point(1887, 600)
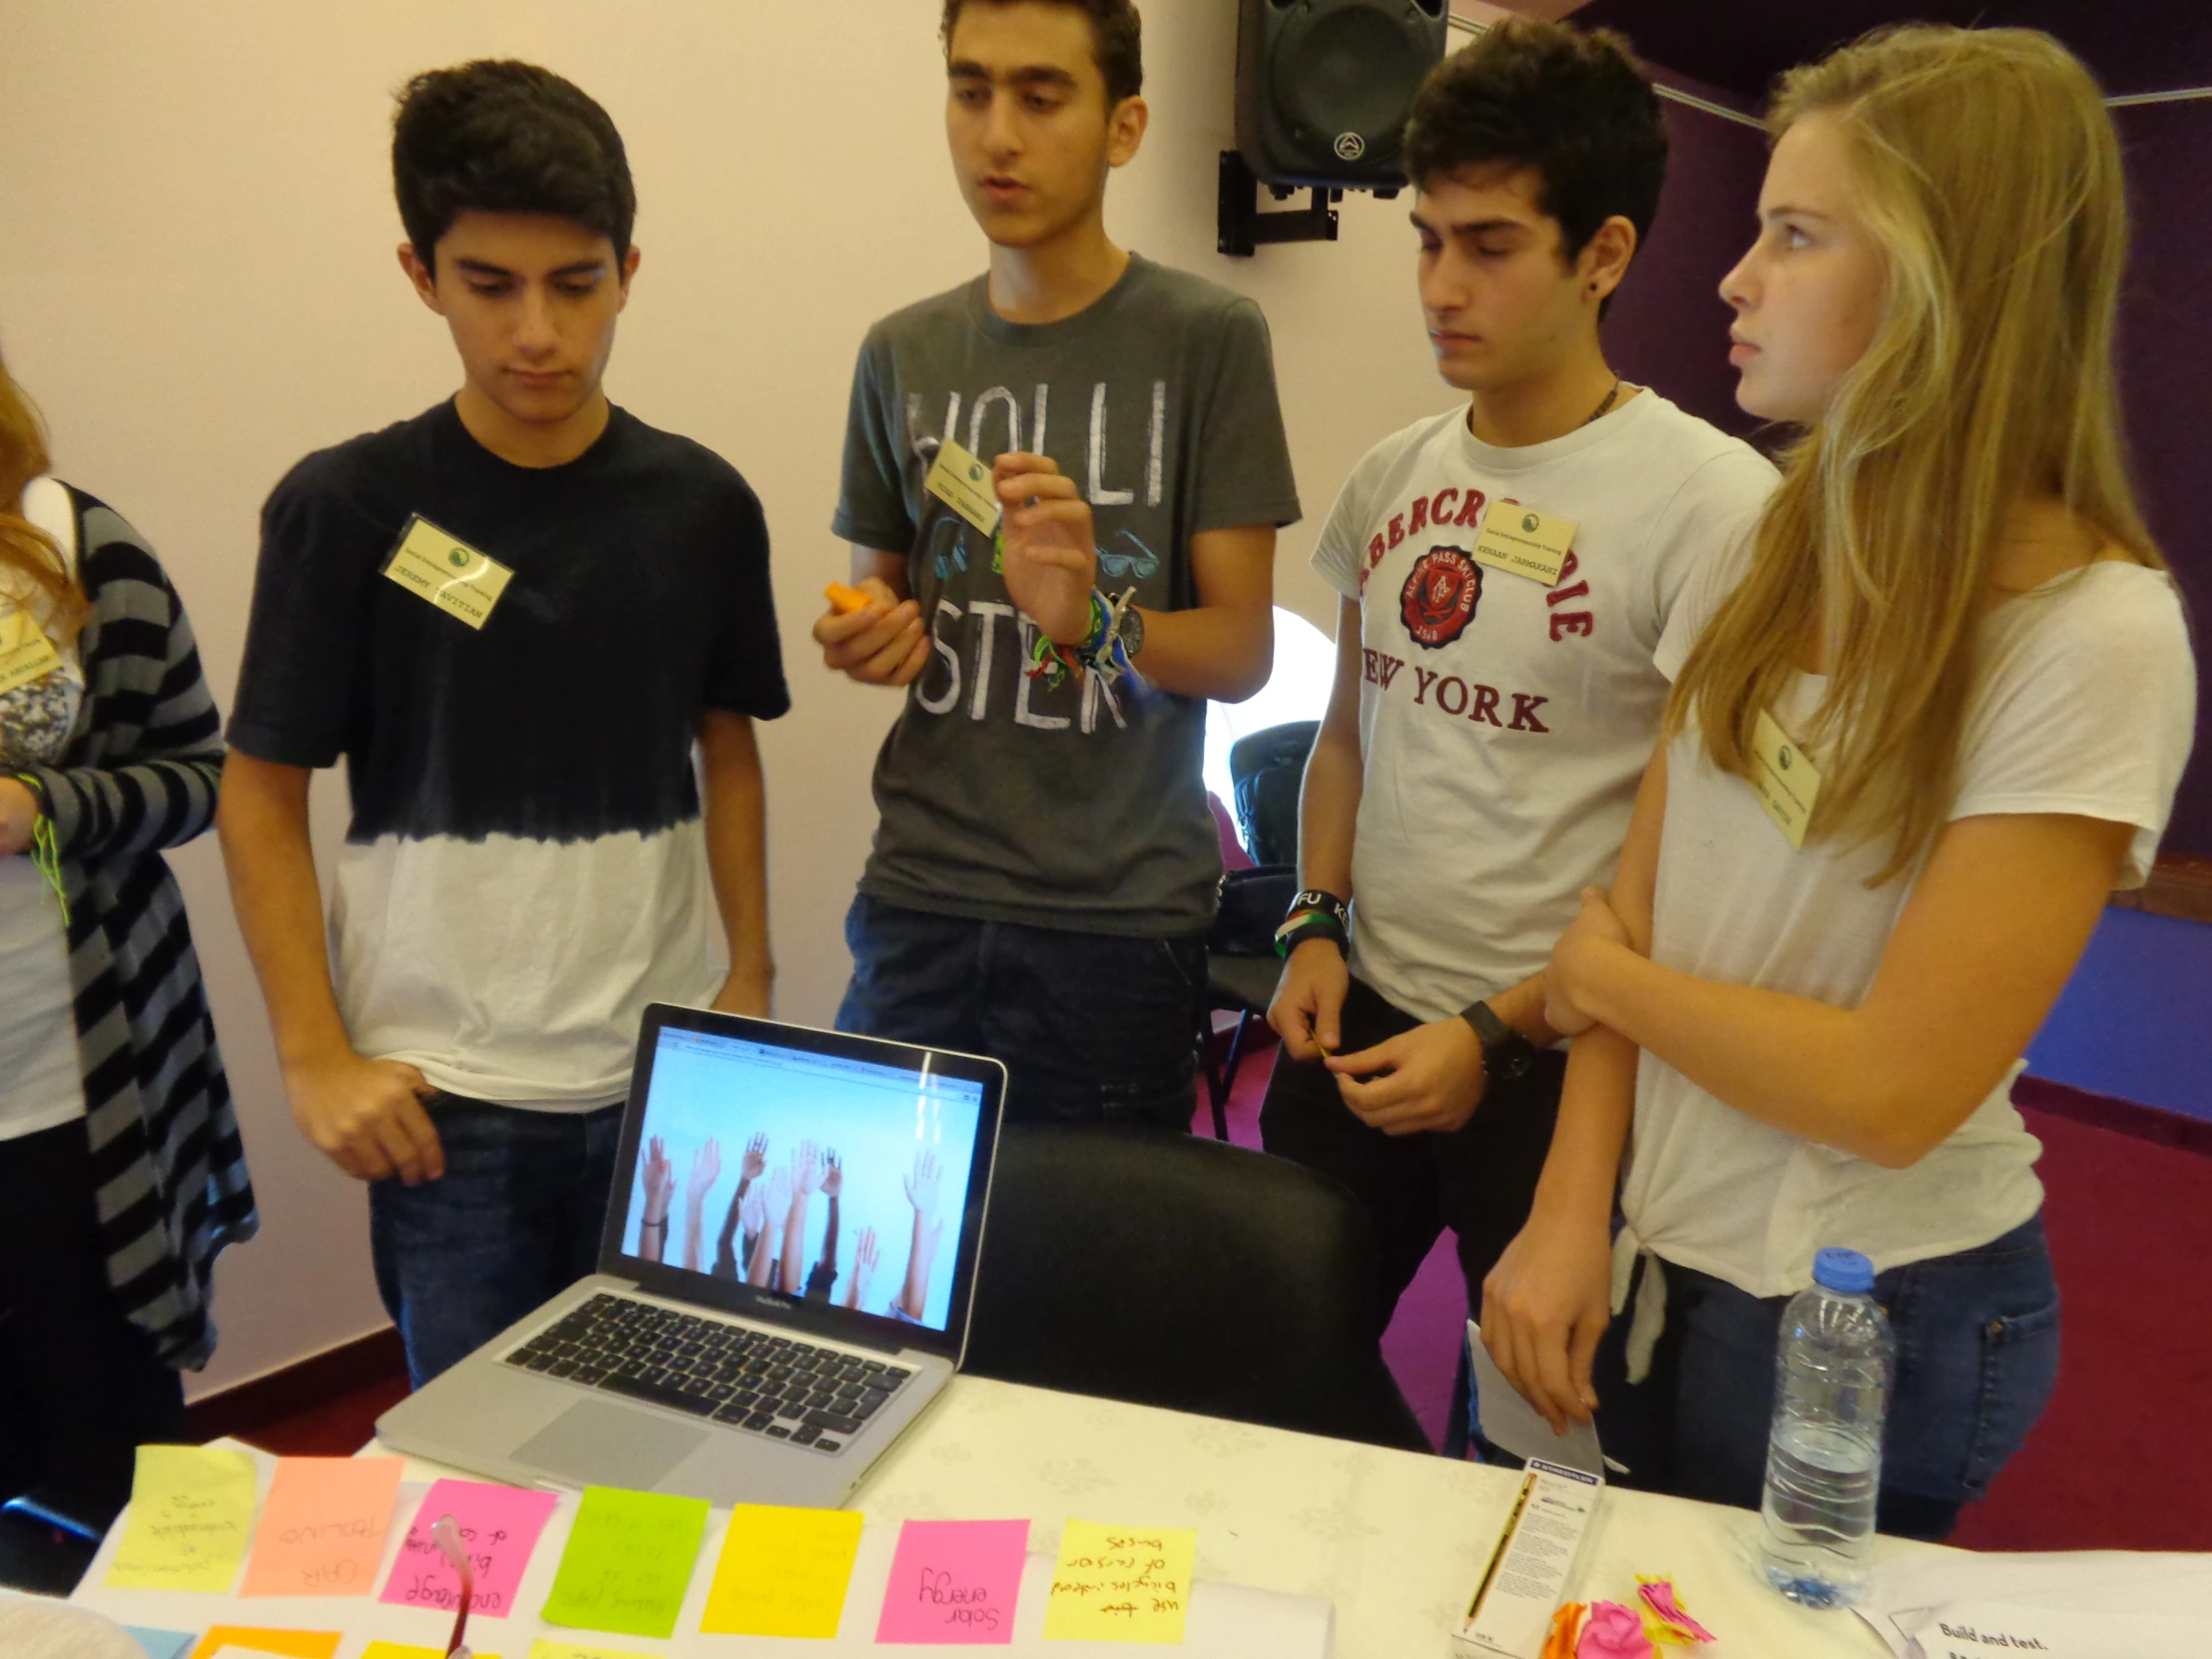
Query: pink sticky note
point(954, 1581)
point(322, 1529)
point(498, 1524)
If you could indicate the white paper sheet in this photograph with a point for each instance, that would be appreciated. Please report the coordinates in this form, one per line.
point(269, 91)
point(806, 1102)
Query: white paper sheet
point(1511, 1423)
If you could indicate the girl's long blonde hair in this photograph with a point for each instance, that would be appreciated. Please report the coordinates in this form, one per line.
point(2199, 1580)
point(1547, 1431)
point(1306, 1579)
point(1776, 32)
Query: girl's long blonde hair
point(31, 565)
point(1984, 165)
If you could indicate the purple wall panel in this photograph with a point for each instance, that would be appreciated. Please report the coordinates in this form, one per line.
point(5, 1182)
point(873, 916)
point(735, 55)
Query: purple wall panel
point(2165, 369)
point(1668, 327)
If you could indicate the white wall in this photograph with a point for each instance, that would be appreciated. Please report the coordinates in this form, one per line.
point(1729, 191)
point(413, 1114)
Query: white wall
point(197, 282)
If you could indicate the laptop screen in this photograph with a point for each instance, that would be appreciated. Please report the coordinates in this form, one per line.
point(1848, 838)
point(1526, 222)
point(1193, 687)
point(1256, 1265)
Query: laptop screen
point(772, 1166)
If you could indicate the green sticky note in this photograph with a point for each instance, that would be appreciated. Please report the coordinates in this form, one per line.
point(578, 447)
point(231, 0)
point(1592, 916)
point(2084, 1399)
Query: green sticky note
point(627, 1562)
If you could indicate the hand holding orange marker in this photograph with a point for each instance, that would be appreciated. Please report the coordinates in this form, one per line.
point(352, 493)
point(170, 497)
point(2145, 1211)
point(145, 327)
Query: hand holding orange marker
point(846, 601)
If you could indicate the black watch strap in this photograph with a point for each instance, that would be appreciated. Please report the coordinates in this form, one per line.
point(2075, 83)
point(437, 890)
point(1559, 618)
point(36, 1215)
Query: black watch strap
point(1506, 1054)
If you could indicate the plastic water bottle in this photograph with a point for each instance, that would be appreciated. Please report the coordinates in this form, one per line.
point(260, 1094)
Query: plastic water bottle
point(1824, 1458)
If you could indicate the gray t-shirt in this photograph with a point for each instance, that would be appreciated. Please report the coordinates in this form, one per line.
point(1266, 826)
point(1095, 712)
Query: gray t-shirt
point(1000, 799)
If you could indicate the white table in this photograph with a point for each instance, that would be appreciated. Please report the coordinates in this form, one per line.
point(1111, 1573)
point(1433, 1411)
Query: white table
point(1394, 1539)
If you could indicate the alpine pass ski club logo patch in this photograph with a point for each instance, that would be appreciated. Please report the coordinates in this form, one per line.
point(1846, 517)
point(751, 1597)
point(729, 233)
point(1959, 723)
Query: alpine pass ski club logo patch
point(1439, 599)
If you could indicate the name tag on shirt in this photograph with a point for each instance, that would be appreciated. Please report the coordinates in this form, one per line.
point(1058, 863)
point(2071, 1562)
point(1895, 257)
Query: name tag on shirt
point(1524, 543)
point(963, 483)
point(26, 653)
point(447, 572)
point(1785, 781)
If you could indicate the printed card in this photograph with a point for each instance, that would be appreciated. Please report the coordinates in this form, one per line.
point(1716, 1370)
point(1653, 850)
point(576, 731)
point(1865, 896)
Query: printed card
point(447, 572)
point(1525, 543)
point(963, 483)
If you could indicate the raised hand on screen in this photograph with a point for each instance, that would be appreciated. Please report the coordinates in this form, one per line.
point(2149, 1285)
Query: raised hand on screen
point(806, 1167)
point(753, 1213)
point(923, 1184)
point(706, 1170)
point(832, 1174)
point(779, 1197)
point(756, 1157)
point(864, 1267)
point(660, 1182)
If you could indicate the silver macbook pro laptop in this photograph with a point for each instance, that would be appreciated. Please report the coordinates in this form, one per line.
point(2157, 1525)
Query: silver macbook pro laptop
point(784, 1283)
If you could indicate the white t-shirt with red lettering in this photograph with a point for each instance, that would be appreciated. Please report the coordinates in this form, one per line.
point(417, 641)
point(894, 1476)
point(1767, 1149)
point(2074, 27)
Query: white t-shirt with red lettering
point(1505, 725)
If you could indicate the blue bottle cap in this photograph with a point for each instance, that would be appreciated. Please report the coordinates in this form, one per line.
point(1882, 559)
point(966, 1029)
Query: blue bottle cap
point(1844, 1271)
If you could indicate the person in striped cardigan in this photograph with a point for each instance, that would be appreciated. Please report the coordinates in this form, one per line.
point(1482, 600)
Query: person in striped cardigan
point(122, 1174)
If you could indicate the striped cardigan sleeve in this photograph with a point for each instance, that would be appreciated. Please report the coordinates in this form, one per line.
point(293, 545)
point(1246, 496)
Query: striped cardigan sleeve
point(164, 793)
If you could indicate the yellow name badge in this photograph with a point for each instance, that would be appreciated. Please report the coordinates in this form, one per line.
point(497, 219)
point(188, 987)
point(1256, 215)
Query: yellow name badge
point(26, 653)
point(447, 572)
point(1526, 543)
point(1784, 779)
point(963, 483)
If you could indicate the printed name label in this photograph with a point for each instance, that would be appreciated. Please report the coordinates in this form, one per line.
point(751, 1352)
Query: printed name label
point(963, 483)
point(26, 653)
point(1523, 542)
point(1784, 779)
point(447, 572)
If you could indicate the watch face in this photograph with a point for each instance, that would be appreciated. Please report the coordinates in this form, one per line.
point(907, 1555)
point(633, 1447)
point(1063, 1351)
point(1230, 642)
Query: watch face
point(1132, 631)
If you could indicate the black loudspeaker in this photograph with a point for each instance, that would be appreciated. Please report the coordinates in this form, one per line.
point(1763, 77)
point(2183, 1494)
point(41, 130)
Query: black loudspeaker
point(1324, 87)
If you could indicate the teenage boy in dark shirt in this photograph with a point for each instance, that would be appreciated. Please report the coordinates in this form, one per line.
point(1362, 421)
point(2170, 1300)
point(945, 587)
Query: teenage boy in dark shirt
point(513, 617)
point(1044, 866)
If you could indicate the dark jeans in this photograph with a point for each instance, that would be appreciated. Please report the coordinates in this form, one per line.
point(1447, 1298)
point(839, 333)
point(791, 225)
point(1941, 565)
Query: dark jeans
point(1478, 1180)
point(1091, 1027)
point(515, 1219)
point(80, 1385)
point(1976, 1359)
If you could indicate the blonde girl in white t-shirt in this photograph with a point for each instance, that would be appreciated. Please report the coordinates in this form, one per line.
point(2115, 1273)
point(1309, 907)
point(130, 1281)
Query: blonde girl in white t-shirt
point(1952, 616)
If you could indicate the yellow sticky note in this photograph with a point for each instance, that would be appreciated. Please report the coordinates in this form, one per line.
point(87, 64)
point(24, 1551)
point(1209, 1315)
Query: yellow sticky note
point(783, 1572)
point(291, 1644)
point(1783, 778)
point(543, 1649)
point(26, 653)
point(191, 1511)
point(1121, 1583)
point(1531, 544)
point(963, 483)
point(447, 571)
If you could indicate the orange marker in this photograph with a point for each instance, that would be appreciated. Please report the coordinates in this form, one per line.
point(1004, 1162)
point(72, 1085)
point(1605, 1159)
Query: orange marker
point(843, 599)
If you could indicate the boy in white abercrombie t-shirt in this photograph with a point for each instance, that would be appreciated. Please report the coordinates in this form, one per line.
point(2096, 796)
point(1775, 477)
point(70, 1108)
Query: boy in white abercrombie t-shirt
point(1478, 761)
point(1909, 754)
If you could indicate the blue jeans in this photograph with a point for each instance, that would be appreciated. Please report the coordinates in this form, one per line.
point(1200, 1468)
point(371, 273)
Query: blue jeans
point(1091, 1027)
point(514, 1221)
point(1976, 1360)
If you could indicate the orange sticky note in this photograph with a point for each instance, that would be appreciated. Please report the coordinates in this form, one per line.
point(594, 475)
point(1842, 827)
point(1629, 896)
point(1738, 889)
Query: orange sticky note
point(295, 1644)
point(845, 600)
point(322, 1528)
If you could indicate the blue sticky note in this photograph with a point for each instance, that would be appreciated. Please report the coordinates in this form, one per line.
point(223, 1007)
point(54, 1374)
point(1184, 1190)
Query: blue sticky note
point(161, 1644)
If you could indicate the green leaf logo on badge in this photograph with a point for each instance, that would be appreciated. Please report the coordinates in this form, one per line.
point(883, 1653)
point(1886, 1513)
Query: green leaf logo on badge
point(458, 558)
point(1529, 523)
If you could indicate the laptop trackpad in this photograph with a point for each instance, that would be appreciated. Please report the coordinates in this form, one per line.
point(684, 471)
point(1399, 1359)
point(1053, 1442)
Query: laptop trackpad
point(592, 1445)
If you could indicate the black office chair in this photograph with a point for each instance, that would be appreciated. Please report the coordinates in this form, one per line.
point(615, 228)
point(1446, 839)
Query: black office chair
point(1174, 1271)
point(1265, 770)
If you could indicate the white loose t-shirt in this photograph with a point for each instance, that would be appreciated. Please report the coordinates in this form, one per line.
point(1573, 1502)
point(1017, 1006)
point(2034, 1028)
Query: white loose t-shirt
point(1504, 725)
point(2085, 704)
point(41, 1077)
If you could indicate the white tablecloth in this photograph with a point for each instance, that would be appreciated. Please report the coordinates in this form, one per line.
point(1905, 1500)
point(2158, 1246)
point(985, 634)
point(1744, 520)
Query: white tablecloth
point(1394, 1539)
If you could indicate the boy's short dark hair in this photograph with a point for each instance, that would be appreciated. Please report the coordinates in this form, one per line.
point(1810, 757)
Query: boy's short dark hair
point(1117, 39)
point(497, 136)
point(1567, 103)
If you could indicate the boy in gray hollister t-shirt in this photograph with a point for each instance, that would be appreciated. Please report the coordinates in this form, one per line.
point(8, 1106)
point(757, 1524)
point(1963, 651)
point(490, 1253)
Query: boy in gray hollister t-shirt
point(1043, 873)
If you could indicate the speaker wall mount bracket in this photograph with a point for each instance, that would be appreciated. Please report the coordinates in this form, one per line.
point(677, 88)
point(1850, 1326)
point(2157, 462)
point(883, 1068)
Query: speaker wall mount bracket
point(1241, 229)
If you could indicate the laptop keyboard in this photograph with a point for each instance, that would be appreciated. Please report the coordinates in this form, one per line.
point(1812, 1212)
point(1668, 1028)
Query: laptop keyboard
point(774, 1385)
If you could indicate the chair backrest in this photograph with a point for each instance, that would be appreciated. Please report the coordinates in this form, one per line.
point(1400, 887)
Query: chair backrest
point(1266, 770)
point(1184, 1273)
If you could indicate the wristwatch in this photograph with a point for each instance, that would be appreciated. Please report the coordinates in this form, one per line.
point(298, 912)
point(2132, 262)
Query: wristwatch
point(1508, 1056)
point(1130, 630)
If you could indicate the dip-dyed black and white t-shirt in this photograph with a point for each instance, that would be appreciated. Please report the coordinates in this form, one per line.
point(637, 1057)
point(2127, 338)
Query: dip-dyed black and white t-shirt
point(526, 865)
